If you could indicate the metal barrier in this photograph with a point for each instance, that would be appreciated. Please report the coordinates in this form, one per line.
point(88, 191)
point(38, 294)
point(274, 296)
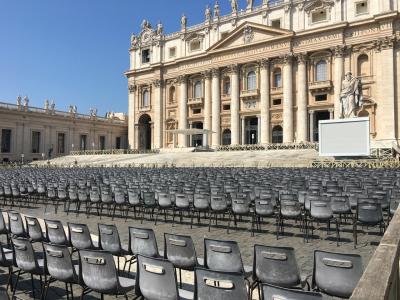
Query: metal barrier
point(381, 280)
point(112, 152)
point(259, 147)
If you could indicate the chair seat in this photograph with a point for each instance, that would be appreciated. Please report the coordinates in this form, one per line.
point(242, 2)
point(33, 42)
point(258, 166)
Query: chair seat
point(126, 284)
point(185, 295)
point(248, 271)
point(200, 261)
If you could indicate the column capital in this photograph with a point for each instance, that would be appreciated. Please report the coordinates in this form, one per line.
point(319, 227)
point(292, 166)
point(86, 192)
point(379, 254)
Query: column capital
point(288, 58)
point(206, 74)
point(387, 42)
point(182, 79)
point(339, 51)
point(158, 83)
point(215, 72)
point(302, 58)
point(233, 69)
point(264, 63)
point(311, 112)
point(132, 88)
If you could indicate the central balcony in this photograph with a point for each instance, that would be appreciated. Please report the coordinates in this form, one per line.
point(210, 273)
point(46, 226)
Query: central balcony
point(250, 94)
point(320, 86)
point(196, 101)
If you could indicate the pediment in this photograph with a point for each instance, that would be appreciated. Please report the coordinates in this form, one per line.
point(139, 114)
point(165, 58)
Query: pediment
point(249, 33)
point(316, 4)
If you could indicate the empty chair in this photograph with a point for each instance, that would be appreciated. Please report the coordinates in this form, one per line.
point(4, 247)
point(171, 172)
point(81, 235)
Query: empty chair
point(60, 267)
point(142, 241)
point(270, 292)
point(164, 204)
point(340, 205)
point(211, 284)
point(149, 204)
point(201, 204)
point(110, 241)
point(15, 224)
point(133, 202)
point(95, 200)
point(120, 202)
point(82, 199)
point(7, 261)
point(290, 210)
point(182, 204)
point(80, 237)
point(34, 230)
point(156, 280)
point(264, 208)
point(55, 233)
point(218, 207)
point(240, 207)
point(180, 251)
point(99, 274)
point(3, 228)
point(336, 274)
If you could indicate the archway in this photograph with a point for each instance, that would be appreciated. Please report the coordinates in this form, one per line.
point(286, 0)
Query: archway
point(277, 135)
point(226, 137)
point(145, 132)
point(251, 130)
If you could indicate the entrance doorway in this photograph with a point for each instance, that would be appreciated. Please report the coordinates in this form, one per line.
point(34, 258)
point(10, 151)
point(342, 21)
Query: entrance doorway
point(251, 130)
point(145, 132)
point(319, 116)
point(226, 137)
point(197, 139)
point(277, 134)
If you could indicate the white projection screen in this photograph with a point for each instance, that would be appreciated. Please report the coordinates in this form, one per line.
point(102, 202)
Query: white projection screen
point(345, 137)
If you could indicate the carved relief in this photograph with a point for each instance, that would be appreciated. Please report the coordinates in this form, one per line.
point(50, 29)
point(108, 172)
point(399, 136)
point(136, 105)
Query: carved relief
point(248, 34)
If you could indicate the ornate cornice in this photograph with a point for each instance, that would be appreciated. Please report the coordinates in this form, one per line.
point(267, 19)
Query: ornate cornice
point(264, 63)
point(158, 83)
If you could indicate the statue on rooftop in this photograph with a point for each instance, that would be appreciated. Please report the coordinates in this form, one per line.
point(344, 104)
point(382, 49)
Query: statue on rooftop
point(46, 104)
point(145, 24)
point(160, 29)
point(216, 10)
point(351, 98)
point(19, 100)
point(234, 6)
point(208, 13)
point(134, 40)
point(26, 101)
point(250, 4)
point(53, 105)
point(183, 22)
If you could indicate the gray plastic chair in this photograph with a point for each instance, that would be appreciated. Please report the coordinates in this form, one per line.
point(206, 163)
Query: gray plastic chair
point(80, 237)
point(99, 274)
point(7, 261)
point(264, 208)
point(164, 204)
point(34, 230)
point(336, 274)
point(219, 285)
point(270, 292)
point(55, 233)
point(201, 203)
point(15, 224)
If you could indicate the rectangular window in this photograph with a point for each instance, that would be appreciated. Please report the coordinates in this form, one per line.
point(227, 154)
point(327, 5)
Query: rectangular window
point(172, 52)
point(196, 111)
point(6, 140)
point(83, 142)
point(276, 101)
point(277, 79)
point(322, 97)
point(102, 142)
point(195, 45)
point(319, 16)
point(61, 143)
point(361, 7)
point(118, 143)
point(226, 107)
point(145, 56)
point(35, 141)
point(276, 23)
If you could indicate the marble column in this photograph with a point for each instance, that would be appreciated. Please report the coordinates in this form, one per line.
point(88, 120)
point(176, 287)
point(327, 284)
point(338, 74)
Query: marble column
point(338, 78)
point(311, 125)
point(235, 103)
point(243, 127)
point(302, 98)
point(207, 103)
point(183, 98)
point(258, 129)
point(131, 114)
point(288, 99)
point(158, 118)
point(264, 103)
point(216, 108)
point(331, 113)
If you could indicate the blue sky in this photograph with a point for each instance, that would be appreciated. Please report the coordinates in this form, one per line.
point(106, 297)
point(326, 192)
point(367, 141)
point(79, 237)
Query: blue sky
point(76, 51)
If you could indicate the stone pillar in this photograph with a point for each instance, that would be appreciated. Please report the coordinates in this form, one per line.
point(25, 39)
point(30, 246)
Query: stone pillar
point(243, 130)
point(183, 98)
point(158, 118)
point(338, 78)
point(258, 129)
point(264, 103)
point(331, 113)
point(302, 99)
point(311, 124)
point(235, 103)
point(207, 103)
point(288, 99)
point(131, 116)
point(216, 108)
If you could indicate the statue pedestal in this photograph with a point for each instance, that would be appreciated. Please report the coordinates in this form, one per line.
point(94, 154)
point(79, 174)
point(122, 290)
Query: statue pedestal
point(344, 137)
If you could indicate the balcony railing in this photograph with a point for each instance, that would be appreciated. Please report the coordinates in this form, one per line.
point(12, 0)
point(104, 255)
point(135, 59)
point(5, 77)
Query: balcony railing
point(145, 108)
point(249, 93)
point(320, 86)
point(196, 101)
point(276, 90)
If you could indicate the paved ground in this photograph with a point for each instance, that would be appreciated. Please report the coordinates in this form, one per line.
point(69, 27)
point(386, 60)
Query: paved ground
point(292, 238)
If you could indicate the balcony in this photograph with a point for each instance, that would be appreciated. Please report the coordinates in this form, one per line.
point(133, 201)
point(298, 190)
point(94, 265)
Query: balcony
point(249, 94)
point(225, 97)
point(276, 90)
point(145, 108)
point(320, 86)
point(196, 101)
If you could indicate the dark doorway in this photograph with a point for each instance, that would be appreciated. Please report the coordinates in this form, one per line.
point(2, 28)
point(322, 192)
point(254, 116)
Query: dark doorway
point(277, 135)
point(226, 137)
point(251, 130)
point(319, 116)
point(145, 132)
point(197, 139)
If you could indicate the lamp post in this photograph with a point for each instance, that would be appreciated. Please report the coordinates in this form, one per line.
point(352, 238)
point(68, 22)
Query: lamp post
point(22, 158)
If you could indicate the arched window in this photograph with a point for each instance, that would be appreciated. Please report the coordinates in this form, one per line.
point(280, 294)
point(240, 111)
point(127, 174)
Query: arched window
point(197, 89)
point(277, 135)
point(146, 98)
point(227, 86)
point(172, 94)
point(363, 65)
point(321, 71)
point(277, 77)
point(251, 81)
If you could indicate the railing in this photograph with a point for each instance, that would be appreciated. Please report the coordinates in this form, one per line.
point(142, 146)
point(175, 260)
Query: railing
point(112, 152)
point(198, 100)
point(259, 147)
point(381, 280)
point(320, 85)
point(249, 93)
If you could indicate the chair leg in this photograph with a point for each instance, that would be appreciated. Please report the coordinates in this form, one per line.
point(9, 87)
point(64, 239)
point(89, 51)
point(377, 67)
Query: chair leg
point(16, 284)
point(33, 287)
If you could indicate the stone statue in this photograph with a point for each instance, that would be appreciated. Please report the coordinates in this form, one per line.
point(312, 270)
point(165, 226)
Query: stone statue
point(74, 109)
point(95, 112)
point(250, 4)
point(19, 100)
point(234, 6)
point(46, 104)
point(145, 24)
point(53, 105)
point(183, 22)
point(26, 101)
point(216, 10)
point(208, 13)
point(134, 40)
point(160, 28)
point(351, 97)
point(71, 109)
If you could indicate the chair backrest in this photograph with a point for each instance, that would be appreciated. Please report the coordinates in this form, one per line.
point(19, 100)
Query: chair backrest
point(25, 256)
point(276, 265)
point(270, 292)
point(181, 200)
point(94, 196)
point(218, 203)
point(15, 224)
point(264, 207)
point(142, 241)
point(222, 256)
point(290, 208)
point(109, 239)
point(3, 227)
point(156, 279)
point(164, 199)
point(369, 213)
point(201, 201)
point(219, 285)
point(55, 232)
point(33, 229)
point(180, 251)
point(79, 236)
point(149, 198)
point(59, 263)
point(321, 209)
point(98, 271)
point(336, 274)
point(133, 197)
point(106, 196)
point(119, 197)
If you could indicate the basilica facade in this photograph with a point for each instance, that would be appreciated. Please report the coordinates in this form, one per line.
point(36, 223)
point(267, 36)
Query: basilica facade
point(265, 73)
